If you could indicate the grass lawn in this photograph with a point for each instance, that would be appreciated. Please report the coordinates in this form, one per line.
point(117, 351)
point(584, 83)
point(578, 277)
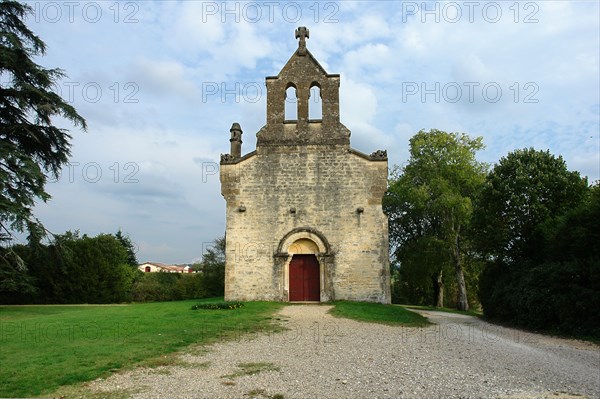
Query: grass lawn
point(45, 347)
point(378, 313)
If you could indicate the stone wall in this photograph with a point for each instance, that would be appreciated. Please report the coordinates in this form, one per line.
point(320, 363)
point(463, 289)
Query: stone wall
point(321, 188)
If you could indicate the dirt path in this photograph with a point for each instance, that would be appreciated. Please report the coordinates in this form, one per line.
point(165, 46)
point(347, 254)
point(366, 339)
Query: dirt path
point(325, 357)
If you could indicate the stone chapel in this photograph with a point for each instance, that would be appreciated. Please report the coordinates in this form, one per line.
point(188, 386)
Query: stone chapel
point(304, 216)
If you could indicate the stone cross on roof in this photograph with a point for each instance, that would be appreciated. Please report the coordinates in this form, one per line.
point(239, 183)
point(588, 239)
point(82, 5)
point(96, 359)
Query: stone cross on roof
point(302, 33)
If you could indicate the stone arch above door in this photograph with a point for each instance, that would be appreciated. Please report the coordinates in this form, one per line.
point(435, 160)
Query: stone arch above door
point(303, 246)
point(303, 238)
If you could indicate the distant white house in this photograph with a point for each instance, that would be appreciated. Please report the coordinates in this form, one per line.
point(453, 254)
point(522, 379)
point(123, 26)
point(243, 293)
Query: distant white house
point(153, 267)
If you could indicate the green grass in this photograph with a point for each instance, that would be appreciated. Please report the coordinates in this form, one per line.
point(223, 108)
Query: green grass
point(251, 369)
point(45, 347)
point(476, 313)
point(378, 313)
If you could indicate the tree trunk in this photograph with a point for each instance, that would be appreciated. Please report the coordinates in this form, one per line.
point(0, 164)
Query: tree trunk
point(462, 303)
point(439, 299)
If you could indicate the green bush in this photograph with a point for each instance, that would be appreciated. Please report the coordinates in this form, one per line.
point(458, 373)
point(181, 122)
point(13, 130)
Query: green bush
point(562, 297)
point(82, 269)
point(150, 287)
point(217, 305)
point(74, 269)
point(558, 287)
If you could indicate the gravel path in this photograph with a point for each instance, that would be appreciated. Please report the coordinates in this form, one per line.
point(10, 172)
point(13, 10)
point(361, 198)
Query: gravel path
point(325, 357)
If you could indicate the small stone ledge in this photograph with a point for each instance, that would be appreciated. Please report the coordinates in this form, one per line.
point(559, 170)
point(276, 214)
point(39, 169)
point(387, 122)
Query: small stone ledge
point(379, 155)
point(228, 159)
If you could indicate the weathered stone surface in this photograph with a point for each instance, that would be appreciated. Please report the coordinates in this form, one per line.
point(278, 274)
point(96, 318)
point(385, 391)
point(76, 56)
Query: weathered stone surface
point(304, 182)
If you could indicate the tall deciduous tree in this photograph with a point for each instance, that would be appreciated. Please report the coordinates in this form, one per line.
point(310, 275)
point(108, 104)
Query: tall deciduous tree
point(212, 267)
point(431, 199)
point(540, 224)
point(129, 247)
point(523, 190)
point(31, 146)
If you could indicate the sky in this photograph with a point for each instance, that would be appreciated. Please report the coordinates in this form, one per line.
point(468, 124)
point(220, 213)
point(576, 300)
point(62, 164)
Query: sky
point(161, 82)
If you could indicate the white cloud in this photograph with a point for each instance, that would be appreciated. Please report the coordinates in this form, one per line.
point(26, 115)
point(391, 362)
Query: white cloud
point(163, 77)
point(358, 102)
point(358, 107)
point(367, 57)
point(471, 68)
point(195, 28)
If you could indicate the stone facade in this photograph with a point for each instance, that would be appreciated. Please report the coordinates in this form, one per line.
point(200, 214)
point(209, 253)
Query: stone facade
point(304, 191)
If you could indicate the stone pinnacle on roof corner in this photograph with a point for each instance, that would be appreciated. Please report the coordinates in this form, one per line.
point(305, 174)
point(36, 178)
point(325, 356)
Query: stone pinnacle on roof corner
point(302, 33)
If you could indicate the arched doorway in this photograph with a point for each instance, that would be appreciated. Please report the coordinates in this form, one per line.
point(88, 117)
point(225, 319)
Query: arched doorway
point(307, 266)
point(305, 283)
point(304, 271)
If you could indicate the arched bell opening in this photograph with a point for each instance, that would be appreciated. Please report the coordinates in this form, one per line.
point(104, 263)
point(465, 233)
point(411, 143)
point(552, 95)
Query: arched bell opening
point(291, 103)
point(315, 103)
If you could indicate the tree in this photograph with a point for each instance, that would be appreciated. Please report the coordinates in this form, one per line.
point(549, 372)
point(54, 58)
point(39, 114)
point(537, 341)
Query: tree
point(558, 287)
point(129, 247)
point(212, 267)
point(537, 224)
point(574, 234)
point(31, 146)
point(422, 274)
point(431, 200)
point(14, 280)
point(522, 191)
point(101, 266)
point(74, 269)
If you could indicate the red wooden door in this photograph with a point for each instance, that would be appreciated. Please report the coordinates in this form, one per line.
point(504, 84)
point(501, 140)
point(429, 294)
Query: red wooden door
point(304, 278)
